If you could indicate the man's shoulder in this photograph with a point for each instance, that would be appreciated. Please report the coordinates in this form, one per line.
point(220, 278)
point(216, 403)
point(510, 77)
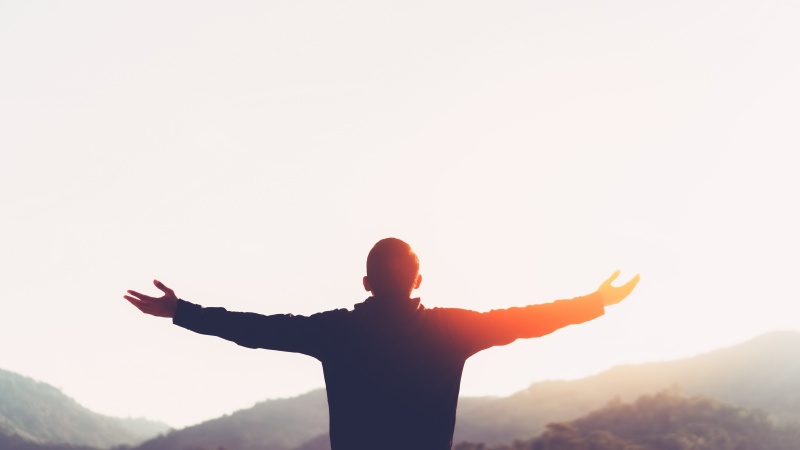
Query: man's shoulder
point(332, 314)
point(449, 314)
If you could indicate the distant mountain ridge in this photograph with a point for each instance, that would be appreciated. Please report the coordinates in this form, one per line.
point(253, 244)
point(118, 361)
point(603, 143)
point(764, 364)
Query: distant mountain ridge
point(666, 420)
point(763, 373)
point(37, 412)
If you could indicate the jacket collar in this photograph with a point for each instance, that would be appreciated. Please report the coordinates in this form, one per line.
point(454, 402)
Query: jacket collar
point(397, 305)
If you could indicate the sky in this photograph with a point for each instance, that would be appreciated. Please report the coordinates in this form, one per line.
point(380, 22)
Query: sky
point(249, 154)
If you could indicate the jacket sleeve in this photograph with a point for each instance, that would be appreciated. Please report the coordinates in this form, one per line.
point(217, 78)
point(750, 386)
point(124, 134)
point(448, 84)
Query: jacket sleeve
point(473, 331)
point(283, 332)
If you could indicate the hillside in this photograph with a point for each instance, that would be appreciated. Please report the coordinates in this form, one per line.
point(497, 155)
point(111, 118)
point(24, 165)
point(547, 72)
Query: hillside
point(762, 373)
point(33, 411)
point(11, 440)
point(664, 421)
point(274, 425)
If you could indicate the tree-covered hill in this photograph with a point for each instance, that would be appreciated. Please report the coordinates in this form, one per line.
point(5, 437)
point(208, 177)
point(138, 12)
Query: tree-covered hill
point(15, 439)
point(272, 425)
point(36, 412)
point(665, 421)
point(762, 373)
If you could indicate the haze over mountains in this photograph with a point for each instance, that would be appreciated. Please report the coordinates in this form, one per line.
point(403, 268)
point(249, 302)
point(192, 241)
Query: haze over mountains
point(763, 373)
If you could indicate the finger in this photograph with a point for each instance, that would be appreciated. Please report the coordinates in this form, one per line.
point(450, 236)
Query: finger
point(611, 278)
point(141, 297)
point(143, 307)
point(163, 288)
point(131, 299)
point(134, 302)
point(632, 283)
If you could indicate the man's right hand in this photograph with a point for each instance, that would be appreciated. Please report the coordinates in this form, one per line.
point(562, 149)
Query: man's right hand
point(163, 306)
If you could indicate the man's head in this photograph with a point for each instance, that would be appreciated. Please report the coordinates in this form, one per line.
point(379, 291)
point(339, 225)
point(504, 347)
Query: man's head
point(392, 269)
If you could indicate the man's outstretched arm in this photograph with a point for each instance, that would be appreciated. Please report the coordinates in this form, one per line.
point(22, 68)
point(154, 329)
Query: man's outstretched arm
point(284, 332)
point(477, 331)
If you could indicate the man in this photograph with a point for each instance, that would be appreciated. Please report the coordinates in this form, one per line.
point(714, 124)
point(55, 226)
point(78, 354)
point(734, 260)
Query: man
point(392, 367)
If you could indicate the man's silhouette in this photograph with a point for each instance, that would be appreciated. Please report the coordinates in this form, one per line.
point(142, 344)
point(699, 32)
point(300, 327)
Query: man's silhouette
point(392, 367)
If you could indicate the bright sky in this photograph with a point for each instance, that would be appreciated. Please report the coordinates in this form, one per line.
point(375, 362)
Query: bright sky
point(248, 154)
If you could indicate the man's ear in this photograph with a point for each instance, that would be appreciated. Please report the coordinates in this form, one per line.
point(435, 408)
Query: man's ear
point(367, 286)
point(417, 282)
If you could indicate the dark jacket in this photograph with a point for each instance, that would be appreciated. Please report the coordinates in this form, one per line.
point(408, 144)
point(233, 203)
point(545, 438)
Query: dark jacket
point(392, 367)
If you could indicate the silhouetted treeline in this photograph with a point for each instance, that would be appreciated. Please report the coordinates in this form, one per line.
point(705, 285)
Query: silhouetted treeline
point(665, 421)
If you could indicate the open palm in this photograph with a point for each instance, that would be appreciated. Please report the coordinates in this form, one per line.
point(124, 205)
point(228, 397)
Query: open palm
point(163, 306)
point(614, 294)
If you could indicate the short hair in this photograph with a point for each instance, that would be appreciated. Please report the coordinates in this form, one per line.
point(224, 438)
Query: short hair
point(392, 267)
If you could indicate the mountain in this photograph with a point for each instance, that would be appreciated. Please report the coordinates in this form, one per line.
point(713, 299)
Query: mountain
point(663, 421)
point(36, 412)
point(10, 439)
point(274, 424)
point(763, 373)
